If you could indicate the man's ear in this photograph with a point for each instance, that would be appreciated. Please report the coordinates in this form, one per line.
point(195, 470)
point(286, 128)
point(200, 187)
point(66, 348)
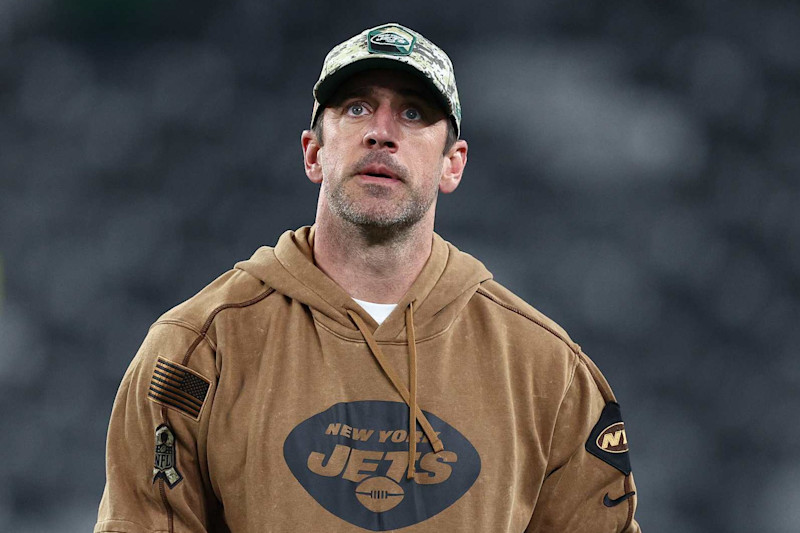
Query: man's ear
point(453, 167)
point(311, 162)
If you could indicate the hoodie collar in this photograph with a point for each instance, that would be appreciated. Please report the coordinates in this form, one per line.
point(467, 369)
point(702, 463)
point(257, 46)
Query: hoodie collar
point(440, 291)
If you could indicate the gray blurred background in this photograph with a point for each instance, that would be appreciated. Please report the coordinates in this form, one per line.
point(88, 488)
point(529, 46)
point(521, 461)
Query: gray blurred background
point(632, 173)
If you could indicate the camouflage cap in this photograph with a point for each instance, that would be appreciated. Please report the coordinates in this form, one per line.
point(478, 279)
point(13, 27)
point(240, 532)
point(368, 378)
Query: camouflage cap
point(390, 46)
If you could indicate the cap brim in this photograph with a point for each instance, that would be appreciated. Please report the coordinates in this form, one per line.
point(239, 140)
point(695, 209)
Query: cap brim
point(325, 90)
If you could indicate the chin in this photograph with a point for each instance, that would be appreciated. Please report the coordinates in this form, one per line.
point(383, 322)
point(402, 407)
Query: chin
point(381, 221)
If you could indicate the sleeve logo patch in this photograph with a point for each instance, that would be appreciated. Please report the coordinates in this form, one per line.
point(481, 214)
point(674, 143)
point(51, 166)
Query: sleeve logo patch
point(608, 440)
point(613, 439)
point(165, 466)
point(179, 388)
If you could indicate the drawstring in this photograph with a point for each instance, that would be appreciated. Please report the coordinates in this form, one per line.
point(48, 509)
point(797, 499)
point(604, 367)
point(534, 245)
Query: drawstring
point(415, 413)
point(412, 379)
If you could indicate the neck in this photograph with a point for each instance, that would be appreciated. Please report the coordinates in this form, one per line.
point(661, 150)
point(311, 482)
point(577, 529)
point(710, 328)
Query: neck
point(374, 265)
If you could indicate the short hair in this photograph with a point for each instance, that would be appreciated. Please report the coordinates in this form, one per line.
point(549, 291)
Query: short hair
point(449, 142)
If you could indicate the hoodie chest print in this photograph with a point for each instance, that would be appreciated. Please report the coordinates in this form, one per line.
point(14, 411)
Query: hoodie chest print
point(353, 460)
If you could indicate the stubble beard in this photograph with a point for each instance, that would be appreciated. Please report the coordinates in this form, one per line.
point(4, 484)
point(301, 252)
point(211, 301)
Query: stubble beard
point(378, 224)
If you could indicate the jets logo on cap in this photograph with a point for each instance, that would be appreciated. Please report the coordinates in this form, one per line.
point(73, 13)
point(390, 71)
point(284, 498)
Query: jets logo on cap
point(390, 39)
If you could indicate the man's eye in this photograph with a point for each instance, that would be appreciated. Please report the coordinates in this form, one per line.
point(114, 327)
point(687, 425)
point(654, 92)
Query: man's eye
point(411, 114)
point(355, 109)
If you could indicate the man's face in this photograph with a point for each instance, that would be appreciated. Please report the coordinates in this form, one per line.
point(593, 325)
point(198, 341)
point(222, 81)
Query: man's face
point(381, 163)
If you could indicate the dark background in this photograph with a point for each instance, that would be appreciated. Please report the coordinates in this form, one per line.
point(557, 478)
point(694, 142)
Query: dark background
point(632, 173)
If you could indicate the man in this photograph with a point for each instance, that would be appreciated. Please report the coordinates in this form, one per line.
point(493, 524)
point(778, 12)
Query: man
point(365, 374)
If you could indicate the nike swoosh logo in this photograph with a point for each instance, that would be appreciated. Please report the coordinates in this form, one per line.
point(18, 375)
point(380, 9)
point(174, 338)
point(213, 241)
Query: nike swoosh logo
point(608, 502)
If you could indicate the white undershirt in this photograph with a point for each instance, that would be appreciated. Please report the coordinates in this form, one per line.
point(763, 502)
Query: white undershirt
point(378, 312)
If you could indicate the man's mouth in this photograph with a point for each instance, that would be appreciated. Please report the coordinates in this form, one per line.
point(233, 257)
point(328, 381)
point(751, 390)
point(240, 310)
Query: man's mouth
point(378, 171)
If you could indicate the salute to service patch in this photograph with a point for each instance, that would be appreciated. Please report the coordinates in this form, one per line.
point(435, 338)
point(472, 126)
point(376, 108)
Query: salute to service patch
point(179, 388)
point(165, 465)
point(608, 440)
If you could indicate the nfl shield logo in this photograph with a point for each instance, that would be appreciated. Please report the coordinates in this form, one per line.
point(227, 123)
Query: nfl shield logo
point(164, 453)
point(164, 465)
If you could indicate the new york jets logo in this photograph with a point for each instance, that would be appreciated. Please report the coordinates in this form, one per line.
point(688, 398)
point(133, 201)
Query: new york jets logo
point(608, 440)
point(390, 39)
point(353, 458)
point(613, 439)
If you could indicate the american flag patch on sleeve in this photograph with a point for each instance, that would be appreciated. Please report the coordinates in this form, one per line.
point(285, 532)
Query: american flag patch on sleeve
point(176, 386)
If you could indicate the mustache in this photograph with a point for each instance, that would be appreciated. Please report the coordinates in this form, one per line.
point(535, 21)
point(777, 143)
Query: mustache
point(379, 158)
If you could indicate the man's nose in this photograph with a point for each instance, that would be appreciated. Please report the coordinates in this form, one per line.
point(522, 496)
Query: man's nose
point(382, 131)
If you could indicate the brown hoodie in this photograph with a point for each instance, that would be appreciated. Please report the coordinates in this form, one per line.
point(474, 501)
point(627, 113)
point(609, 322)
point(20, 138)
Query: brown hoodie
point(272, 402)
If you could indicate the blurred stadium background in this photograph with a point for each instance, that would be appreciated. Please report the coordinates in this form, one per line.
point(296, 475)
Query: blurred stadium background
point(633, 173)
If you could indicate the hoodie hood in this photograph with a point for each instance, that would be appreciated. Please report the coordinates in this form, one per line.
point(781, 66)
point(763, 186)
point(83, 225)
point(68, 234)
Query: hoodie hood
point(444, 286)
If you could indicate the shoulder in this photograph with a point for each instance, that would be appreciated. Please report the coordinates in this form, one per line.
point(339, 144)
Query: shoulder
point(181, 345)
point(538, 330)
point(235, 289)
point(509, 306)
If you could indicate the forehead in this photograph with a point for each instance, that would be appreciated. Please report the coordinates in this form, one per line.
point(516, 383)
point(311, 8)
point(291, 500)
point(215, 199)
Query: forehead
point(402, 83)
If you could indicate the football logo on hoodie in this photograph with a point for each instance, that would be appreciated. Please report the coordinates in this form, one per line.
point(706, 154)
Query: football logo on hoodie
point(353, 458)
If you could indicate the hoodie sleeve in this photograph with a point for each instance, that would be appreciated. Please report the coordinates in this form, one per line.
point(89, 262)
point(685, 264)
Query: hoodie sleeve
point(589, 487)
point(156, 475)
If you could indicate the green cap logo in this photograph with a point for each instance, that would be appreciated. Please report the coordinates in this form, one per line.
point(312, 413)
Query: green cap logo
point(390, 39)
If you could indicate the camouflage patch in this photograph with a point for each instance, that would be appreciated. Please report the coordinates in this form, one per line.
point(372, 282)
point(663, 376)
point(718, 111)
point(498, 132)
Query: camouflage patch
point(166, 466)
